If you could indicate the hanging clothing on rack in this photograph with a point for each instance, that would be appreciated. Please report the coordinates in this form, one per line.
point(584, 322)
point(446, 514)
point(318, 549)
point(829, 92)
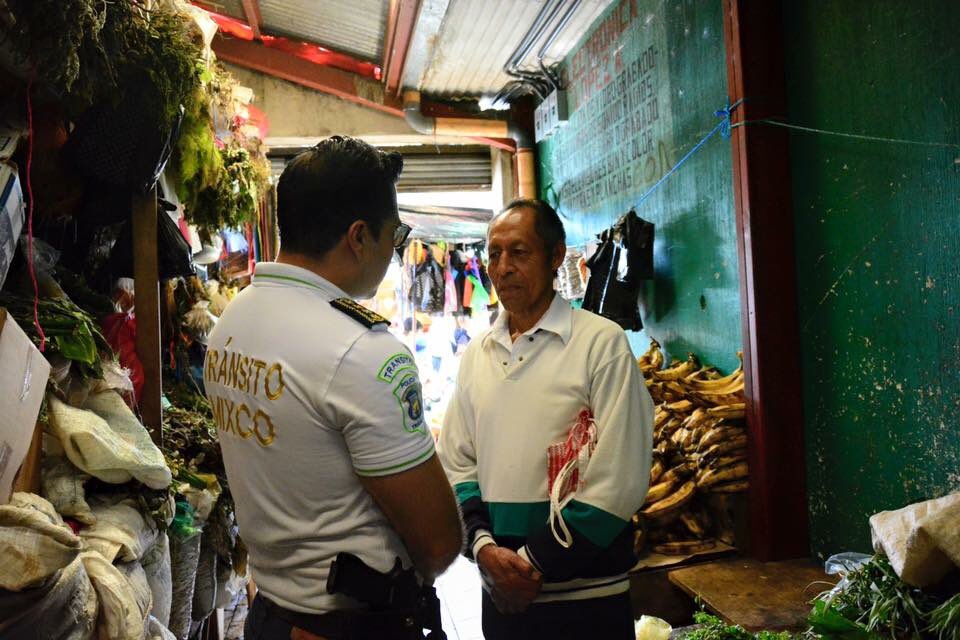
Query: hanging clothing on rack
point(623, 259)
point(458, 266)
point(451, 302)
point(431, 285)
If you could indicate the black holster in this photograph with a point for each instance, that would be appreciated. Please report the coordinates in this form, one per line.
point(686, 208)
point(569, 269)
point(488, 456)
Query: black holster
point(396, 596)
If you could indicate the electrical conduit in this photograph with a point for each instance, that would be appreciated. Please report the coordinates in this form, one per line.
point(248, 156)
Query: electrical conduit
point(432, 126)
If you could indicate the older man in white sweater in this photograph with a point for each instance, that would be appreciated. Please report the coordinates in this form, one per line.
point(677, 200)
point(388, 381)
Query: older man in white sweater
point(554, 563)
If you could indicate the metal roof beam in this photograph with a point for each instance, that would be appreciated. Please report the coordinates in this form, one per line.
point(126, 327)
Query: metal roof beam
point(251, 9)
point(400, 35)
point(286, 66)
point(348, 86)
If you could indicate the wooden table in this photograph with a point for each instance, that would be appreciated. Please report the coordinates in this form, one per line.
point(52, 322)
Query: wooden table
point(753, 594)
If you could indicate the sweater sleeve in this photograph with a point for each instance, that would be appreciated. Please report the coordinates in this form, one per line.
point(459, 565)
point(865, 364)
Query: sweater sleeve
point(458, 456)
point(615, 482)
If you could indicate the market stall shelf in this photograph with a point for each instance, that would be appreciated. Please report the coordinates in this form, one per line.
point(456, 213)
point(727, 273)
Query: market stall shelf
point(755, 595)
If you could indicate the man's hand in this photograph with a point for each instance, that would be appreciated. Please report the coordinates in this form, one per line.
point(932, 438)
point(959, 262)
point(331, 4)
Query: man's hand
point(513, 582)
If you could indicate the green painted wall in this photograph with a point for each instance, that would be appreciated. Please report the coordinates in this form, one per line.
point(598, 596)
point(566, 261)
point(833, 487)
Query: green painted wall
point(877, 248)
point(644, 85)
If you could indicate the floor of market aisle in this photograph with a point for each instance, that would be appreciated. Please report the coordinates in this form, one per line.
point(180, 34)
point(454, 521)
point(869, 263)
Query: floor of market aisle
point(458, 589)
point(459, 592)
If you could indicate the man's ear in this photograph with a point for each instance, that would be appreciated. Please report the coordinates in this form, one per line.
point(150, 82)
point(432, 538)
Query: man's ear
point(358, 236)
point(559, 253)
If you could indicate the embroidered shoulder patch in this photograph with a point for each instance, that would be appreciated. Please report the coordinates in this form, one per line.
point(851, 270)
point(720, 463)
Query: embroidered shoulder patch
point(358, 312)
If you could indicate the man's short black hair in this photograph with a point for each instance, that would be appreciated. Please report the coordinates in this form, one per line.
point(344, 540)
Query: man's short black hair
point(323, 191)
point(547, 223)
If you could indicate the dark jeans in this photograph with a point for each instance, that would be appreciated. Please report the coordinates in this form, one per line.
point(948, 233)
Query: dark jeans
point(609, 618)
point(264, 623)
point(262, 626)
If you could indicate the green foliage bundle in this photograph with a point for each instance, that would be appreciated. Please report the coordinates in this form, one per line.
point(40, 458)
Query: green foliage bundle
point(234, 199)
point(98, 52)
point(196, 160)
point(70, 331)
point(53, 37)
point(875, 603)
point(713, 628)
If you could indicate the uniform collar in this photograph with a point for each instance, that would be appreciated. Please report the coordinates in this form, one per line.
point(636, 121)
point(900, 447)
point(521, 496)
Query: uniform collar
point(558, 319)
point(287, 275)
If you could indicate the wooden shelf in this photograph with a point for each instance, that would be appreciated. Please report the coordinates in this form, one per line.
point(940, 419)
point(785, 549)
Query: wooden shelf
point(756, 595)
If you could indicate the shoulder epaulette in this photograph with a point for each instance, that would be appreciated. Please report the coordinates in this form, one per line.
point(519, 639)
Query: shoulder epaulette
point(358, 312)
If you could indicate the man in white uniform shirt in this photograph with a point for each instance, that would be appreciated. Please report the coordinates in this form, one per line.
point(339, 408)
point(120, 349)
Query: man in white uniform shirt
point(554, 565)
point(320, 409)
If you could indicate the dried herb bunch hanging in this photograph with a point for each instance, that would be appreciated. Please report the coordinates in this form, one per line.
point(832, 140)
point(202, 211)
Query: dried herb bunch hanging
point(52, 37)
point(94, 51)
point(166, 49)
point(235, 198)
point(196, 161)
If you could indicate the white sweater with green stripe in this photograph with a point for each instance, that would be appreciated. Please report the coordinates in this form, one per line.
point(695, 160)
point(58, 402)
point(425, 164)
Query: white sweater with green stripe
point(516, 398)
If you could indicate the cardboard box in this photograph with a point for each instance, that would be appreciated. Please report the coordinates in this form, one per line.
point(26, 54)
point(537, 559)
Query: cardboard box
point(12, 215)
point(13, 129)
point(23, 381)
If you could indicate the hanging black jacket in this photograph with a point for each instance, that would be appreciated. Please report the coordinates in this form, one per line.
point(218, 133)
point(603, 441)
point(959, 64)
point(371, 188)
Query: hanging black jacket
point(623, 259)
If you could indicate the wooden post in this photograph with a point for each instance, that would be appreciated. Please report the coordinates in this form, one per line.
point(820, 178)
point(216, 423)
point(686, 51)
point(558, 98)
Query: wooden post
point(146, 276)
point(753, 33)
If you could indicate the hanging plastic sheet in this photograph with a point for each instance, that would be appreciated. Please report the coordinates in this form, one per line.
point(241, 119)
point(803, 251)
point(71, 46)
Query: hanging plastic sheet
point(623, 259)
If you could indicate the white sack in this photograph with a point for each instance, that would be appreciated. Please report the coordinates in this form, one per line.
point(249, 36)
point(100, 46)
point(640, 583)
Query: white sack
point(34, 542)
point(107, 441)
point(67, 609)
point(157, 630)
point(922, 540)
point(62, 485)
point(121, 532)
point(121, 616)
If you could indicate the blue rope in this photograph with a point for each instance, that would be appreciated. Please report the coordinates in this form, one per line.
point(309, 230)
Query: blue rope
point(723, 128)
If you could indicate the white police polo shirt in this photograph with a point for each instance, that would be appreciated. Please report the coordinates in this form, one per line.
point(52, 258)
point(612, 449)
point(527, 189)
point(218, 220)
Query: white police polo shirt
point(309, 391)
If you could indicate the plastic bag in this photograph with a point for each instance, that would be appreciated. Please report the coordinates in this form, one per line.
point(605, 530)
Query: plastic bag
point(115, 378)
point(205, 586)
point(202, 500)
point(184, 557)
point(65, 609)
point(229, 585)
point(120, 330)
point(652, 628)
point(156, 565)
point(843, 564)
point(218, 301)
point(45, 257)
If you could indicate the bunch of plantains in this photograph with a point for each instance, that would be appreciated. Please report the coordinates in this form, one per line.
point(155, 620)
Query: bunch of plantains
point(700, 450)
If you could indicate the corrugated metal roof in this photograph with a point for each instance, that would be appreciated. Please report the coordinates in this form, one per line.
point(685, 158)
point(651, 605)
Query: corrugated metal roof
point(232, 8)
point(356, 27)
point(447, 172)
point(478, 36)
point(426, 171)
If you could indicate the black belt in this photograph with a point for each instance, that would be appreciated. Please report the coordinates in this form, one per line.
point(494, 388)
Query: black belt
point(358, 624)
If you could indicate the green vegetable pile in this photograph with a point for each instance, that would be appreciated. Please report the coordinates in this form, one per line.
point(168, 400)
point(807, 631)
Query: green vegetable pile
point(713, 628)
point(191, 448)
point(876, 603)
point(190, 437)
point(70, 331)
